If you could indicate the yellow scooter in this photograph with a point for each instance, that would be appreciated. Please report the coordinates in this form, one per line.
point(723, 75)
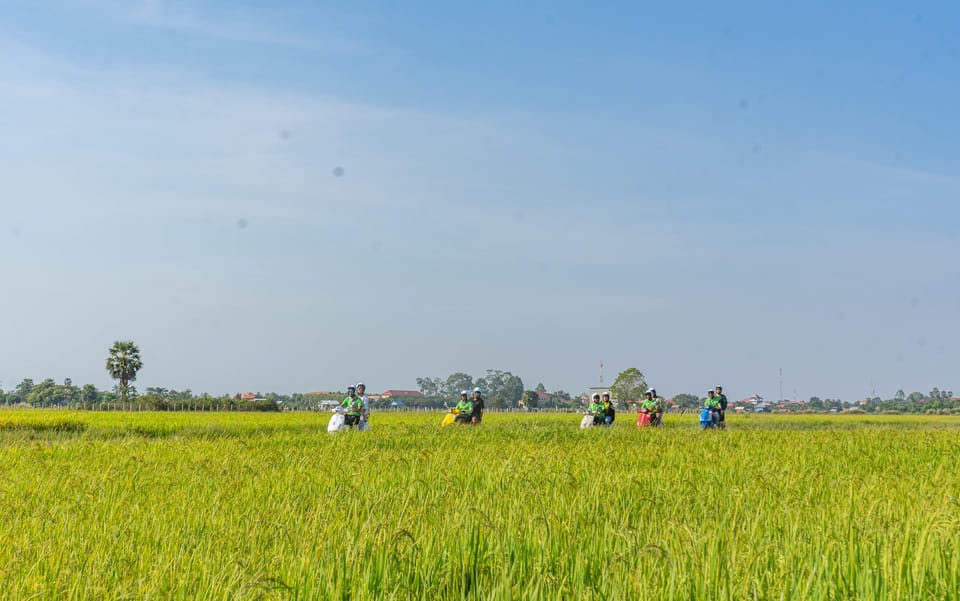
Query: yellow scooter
point(450, 417)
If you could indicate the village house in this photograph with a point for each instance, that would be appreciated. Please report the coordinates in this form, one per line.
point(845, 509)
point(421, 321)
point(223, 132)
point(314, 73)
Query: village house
point(400, 393)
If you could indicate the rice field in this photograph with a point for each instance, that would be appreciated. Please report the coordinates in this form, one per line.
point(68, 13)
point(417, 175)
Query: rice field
point(250, 506)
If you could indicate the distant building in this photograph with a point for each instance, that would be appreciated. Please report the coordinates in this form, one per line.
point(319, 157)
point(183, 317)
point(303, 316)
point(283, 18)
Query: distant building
point(759, 404)
point(408, 393)
point(599, 390)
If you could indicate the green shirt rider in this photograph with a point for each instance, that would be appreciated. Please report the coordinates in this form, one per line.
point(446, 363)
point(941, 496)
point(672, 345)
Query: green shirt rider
point(711, 402)
point(595, 408)
point(465, 407)
point(354, 407)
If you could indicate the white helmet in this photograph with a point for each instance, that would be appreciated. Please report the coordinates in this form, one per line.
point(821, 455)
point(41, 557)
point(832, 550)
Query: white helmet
point(463, 393)
point(606, 393)
point(361, 384)
point(476, 390)
point(596, 395)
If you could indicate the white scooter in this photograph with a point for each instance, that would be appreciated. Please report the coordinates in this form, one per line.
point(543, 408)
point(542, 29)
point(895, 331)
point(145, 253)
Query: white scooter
point(587, 421)
point(338, 422)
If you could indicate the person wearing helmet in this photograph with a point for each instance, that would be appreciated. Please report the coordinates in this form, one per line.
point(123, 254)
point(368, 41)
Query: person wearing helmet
point(465, 407)
point(477, 416)
point(362, 393)
point(595, 408)
point(710, 403)
point(609, 411)
point(354, 406)
point(648, 404)
point(656, 418)
point(722, 405)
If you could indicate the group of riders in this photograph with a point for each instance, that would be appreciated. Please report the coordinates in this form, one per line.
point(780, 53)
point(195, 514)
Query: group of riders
point(356, 406)
point(469, 411)
point(713, 410)
point(356, 409)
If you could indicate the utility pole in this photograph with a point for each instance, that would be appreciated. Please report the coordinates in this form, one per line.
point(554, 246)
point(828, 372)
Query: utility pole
point(781, 385)
point(601, 372)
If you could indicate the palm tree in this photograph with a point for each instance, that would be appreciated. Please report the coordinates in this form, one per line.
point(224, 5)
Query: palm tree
point(123, 364)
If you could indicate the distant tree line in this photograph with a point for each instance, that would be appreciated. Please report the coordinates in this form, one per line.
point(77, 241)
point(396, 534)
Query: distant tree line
point(501, 390)
point(67, 395)
point(934, 402)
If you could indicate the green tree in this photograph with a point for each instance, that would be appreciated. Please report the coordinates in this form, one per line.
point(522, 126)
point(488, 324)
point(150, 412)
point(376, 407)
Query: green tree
point(24, 388)
point(687, 401)
point(540, 387)
point(629, 385)
point(44, 393)
point(816, 403)
point(89, 394)
point(429, 386)
point(513, 389)
point(123, 363)
point(456, 383)
point(900, 395)
point(68, 393)
point(492, 383)
point(530, 399)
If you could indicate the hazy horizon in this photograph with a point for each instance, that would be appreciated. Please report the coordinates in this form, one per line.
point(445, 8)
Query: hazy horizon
point(291, 197)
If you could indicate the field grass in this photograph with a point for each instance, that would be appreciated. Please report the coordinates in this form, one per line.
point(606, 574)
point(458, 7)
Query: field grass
point(246, 506)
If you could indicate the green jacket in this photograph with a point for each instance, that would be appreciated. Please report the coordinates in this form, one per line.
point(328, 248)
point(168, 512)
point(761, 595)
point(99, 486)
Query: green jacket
point(595, 407)
point(649, 404)
point(353, 405)
point(710, 403)
point(465, 406)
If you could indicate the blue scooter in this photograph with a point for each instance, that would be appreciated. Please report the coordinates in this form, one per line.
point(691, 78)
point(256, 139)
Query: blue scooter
point(709, 419)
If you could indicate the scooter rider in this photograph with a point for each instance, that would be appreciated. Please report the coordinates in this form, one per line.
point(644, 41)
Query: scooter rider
point(596, 409)
point(477, 416)
point(465, 407)
point(711, 403)
point(657, 417)
point(354, 406)
point(649, 405)
point(722, 404)
point(609, 411)
point(362, 393)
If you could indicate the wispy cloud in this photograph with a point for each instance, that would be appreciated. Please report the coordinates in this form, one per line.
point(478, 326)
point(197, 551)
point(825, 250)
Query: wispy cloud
point(226, 25)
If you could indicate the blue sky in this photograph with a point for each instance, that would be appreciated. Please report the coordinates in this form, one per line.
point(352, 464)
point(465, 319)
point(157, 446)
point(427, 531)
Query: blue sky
point(293, 196)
